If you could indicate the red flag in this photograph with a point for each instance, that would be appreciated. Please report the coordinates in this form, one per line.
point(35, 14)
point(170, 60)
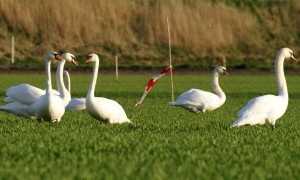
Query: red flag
point(151, 83)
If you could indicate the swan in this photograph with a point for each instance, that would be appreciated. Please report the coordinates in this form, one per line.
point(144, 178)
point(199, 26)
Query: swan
point(75, 104)
point(268, 107)
point(196, 100)
point(48, 106)
point(27, 94)
point(102, 109)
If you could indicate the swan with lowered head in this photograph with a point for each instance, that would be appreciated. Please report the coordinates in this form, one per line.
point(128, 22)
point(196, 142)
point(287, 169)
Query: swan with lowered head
point(268, 107)
point(102, 109)
point(27, 94)
point(75, 104)
point(196, 100)
point(31, 110)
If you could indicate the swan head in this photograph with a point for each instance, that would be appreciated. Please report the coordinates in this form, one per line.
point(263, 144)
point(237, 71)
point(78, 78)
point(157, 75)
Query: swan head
point(287, 53)
point(221, 70)
point(52, 55)
point(69, 57)
point(92, 58)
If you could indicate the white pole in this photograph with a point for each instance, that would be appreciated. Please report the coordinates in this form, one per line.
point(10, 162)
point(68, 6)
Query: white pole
point(12, 49)
point(224, 61)
point(171, 74)
point(117, 68)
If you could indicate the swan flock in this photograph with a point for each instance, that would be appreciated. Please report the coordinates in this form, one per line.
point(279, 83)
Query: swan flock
point(50, 105)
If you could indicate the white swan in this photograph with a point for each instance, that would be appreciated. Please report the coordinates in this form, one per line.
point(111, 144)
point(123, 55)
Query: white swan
point(48, 106)
point(63, 92)
point(75, 104)
point(196, 100)
point(27, 94)
point(103, 109)
point(268, 107)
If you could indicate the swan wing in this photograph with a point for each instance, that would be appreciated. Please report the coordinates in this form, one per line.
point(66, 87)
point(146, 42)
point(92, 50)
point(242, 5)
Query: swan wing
point(16, 108)
point(106, 110)
point(257, 110)
point(197, 98)
point(76, 104)
point(24, 93)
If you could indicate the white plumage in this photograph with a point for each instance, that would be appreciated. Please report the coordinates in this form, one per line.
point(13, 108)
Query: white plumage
point(102, 109)
point(196, 100)
point(27, 94)
point(268, 107)
point(48, 106)
point(74, 104)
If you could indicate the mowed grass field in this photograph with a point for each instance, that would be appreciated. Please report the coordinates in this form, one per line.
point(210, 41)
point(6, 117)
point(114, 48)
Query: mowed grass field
point(163, 142)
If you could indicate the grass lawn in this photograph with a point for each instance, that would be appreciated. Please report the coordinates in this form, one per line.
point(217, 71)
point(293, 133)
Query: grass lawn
point(163, 142)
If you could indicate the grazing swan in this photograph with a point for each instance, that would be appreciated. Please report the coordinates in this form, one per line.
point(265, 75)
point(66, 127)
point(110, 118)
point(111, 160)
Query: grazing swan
point(196, 100)
point(46, 103)
point(268, 107)
point(103, 109)
point(75, 104)
point(27, 94)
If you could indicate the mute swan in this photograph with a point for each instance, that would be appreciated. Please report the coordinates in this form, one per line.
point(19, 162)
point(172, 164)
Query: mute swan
point(268, 107)
point(75, 104)
point(103, 109)
point(196, 100)
point(27, 94)
point(48, 106)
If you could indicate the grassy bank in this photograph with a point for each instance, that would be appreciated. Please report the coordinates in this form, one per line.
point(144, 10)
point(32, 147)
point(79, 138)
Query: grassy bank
point(248, 33)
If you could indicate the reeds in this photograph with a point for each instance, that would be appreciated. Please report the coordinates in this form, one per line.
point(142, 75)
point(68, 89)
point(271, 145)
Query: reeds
point(199, 27)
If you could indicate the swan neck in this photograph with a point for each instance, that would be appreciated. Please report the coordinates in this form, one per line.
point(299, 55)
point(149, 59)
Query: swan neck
point(280, 78)
point(48, 77)
point(216, 86)
point(91, 92)
point(59, 79)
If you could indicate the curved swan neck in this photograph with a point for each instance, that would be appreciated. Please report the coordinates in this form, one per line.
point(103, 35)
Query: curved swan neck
point(48, 77)
point(216, 86)
point(59, 79)
point(279, 74)
point(91, 91)
point(68, 81)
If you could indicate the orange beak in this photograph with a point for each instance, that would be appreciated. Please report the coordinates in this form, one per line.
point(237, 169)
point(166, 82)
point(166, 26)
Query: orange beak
point(57, 57)
point(88, 59)
point(225, 72)
point(74, 62)
point(293, 58)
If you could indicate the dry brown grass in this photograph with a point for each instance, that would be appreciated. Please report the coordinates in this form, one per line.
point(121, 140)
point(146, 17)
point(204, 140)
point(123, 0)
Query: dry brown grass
point(82, 26)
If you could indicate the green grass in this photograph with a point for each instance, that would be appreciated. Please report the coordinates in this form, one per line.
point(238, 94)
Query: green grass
point(164, 142)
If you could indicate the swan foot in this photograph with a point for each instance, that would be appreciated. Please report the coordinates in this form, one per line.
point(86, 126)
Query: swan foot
point(273, 127)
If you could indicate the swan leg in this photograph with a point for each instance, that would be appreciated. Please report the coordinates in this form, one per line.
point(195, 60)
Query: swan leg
point(273, 127)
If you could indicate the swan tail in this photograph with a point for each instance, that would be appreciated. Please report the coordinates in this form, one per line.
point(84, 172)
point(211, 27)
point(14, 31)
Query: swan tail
point(236, 123)
point(173, 103)
point(8, 99)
